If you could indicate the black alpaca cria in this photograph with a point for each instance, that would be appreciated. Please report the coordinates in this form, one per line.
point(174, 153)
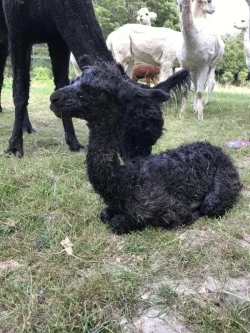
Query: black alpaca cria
point(64, 25)
point(173, 188)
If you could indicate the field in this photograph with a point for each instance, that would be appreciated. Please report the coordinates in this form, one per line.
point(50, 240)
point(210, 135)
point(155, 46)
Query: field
point(194, 279)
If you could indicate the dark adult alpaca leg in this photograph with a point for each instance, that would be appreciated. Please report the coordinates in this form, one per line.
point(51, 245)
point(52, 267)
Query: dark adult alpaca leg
point(20, 53)
point(27, 127)
point(59, 54)
point(3, 57)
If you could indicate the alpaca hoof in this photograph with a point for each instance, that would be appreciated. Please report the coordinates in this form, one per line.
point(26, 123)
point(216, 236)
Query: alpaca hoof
point(77, 147)
point(17, 153)
point(29, 129)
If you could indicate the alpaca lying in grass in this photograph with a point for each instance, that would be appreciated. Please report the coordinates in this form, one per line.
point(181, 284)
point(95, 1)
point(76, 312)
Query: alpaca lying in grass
point(141, 129)
point(173, 188)
point(146, 71)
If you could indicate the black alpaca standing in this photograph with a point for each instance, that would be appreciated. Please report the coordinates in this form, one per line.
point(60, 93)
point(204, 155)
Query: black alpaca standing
point(64, 25)
point(3, 49)
point(173, 188)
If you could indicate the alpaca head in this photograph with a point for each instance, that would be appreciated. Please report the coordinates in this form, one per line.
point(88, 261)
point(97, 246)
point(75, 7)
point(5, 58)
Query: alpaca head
point(242, 25)
point(102, 91)
point(204, 6)
point(145, 16)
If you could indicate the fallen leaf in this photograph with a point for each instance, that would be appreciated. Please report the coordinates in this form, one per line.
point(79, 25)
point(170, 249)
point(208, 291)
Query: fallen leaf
point(68, 246)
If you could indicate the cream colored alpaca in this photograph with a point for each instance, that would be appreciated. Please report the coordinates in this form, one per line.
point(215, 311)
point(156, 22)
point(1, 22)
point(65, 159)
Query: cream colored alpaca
point(151, 45)
point(200, 50)
point(244, 26)
point(144, 17)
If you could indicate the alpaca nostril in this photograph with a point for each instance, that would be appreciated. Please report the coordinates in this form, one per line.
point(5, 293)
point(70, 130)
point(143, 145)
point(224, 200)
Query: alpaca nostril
point(55, 97)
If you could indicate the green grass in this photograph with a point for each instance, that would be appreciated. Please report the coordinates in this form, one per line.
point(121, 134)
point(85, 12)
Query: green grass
point(46, 196)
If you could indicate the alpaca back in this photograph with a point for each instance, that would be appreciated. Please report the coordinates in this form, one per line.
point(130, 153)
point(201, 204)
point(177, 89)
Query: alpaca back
point(145, 44)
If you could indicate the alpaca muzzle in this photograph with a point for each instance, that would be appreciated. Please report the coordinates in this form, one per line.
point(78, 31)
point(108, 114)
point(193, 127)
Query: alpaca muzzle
point(57, 103)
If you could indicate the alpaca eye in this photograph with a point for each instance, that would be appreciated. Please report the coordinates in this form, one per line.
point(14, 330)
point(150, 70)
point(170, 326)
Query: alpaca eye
point(96, 94)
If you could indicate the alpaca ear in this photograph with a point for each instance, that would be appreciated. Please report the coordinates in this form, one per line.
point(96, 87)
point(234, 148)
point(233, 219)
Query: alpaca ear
point(84, 61)
point(152, 15)
point(150, 96)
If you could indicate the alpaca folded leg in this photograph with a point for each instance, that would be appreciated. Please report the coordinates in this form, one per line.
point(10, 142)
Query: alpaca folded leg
point(179, 214)
point(120, 224)
point(223, 194)
point(106, 215)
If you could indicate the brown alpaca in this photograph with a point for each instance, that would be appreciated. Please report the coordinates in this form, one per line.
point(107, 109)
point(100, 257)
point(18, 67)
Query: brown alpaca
point(146, 71)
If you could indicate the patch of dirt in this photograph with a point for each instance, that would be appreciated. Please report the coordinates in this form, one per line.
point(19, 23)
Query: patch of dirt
point(245, 241)
point(244, 162)
point(198, 239)
point(154, 321)
point(246, 192)
point(231, 290)
point(9, 265)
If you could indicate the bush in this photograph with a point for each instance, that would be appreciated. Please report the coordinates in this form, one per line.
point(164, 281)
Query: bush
point(41, 73)
point(242, 77)
point(227, 78)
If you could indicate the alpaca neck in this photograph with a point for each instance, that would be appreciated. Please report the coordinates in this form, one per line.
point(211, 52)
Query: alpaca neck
point(103, 165)
point(247, 46)
point(246, 38)
point(187, 21)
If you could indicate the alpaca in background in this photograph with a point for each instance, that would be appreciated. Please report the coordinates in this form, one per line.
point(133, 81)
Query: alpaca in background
point(243, 25)
point(144, 17)
point(146, 71)
point(200, 50)
point(167, 190)
point(153, 45)
point(145, 44)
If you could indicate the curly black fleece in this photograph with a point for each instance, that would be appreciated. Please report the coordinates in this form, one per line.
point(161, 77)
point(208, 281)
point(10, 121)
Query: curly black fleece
point(171, 189)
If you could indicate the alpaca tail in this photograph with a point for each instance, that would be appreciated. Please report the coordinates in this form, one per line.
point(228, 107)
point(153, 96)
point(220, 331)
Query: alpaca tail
point(176, 84)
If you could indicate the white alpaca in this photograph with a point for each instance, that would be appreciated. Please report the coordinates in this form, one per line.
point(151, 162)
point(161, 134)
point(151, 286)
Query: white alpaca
point(152, 45)
point(244, 26)
point(201, 49)
point(145, 16)
point(75, 65)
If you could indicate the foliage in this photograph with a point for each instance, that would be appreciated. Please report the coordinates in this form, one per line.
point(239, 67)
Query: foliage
point(41, 73)
point(242, 77)
point(227, 78)
point(233, 59)
point(112, 14)
point(167, 15)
